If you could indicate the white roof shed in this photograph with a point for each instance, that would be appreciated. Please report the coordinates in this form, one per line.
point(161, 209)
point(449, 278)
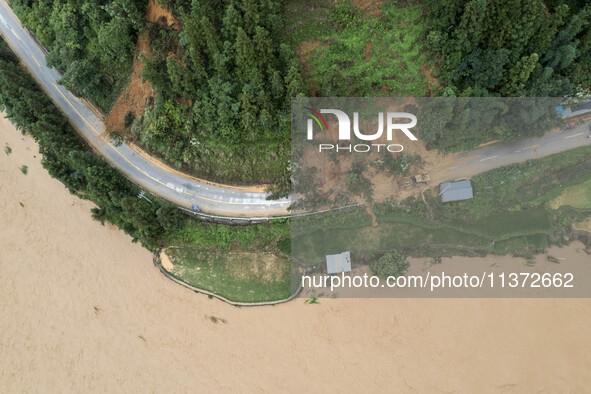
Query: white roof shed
point(337, 263)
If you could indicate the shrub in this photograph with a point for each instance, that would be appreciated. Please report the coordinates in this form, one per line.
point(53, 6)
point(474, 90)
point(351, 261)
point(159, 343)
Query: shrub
point(390, 264)
point(129, 118)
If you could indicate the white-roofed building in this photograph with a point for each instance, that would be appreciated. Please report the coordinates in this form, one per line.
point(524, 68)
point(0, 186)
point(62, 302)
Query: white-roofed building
point(337, 263)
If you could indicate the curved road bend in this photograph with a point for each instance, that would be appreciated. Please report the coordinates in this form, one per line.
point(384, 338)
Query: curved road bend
point(227, 200)
point(174, 187)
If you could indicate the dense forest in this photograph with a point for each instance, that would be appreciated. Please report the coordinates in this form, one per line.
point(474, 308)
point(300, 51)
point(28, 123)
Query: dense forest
point(512, 48)
point(91, 41)
point(224, 76)
point(90, 177)
point(224, 85)
point(66, 158)
point(507, 48)
point(233, 73)
point(462, 123)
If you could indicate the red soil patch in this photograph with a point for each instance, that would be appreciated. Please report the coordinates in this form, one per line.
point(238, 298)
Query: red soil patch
point(369, 8)
point(368, 48)
point(330, 176)
point(158, 14)
point(334, 171)
point(433, 82)
point(133, 97)
point(303, 52)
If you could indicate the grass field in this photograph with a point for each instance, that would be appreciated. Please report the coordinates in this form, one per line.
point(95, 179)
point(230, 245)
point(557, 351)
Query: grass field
point(348, 51)
point(585, 225)
point(498, 233)
point(386, 236)
point(241, 277)
point(578, 196)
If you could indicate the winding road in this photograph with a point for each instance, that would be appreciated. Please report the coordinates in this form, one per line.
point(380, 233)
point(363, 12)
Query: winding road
point(164, 182)
point(224, 200)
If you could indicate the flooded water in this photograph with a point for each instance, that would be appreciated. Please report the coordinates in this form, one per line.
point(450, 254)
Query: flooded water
point(83, 309)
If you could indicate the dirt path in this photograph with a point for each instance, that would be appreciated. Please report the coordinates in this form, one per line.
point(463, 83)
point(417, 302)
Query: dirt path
point(374, 220)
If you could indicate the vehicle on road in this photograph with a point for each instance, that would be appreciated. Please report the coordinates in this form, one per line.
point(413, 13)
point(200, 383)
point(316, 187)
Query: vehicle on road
point(570, 125)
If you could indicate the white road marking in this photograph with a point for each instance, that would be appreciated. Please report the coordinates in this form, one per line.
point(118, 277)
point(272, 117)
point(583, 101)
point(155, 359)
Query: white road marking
point(488, 158)
point(574, 135)
point(517, 151)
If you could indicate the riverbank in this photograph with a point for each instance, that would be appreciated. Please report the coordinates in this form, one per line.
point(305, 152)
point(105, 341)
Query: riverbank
point(84, 309)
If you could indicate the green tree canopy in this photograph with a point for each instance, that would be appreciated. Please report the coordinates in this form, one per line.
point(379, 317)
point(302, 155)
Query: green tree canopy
point(391, 264)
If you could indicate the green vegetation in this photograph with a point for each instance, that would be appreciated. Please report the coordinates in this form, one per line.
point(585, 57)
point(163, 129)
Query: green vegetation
point(242, 277)
point(509, 213)
point(399, 164)
point(412, 234)
point(357, 183)
point(67, 159)
point(24, 169)
point(390, 264)
point(7, 150)
point(520, 186)
point(578, 196)
point(351, 53)
point(257, 237)
point(155, 224)
point(91, 41)
point(129, 118)
point(285, 246)
point(224, 84)
point(464, 123)
point(511, 47)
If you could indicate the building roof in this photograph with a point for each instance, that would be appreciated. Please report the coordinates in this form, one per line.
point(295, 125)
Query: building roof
point(337, 263)
point(456, 191)
point(579, 110)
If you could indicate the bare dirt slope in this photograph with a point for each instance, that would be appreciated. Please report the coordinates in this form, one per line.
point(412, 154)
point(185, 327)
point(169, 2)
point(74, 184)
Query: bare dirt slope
point(133, 97)
point(83, 309)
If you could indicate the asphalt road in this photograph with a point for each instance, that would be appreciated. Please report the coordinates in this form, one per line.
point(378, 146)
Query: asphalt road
point(227, 200)
point(172, 186)
point(501, 154)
